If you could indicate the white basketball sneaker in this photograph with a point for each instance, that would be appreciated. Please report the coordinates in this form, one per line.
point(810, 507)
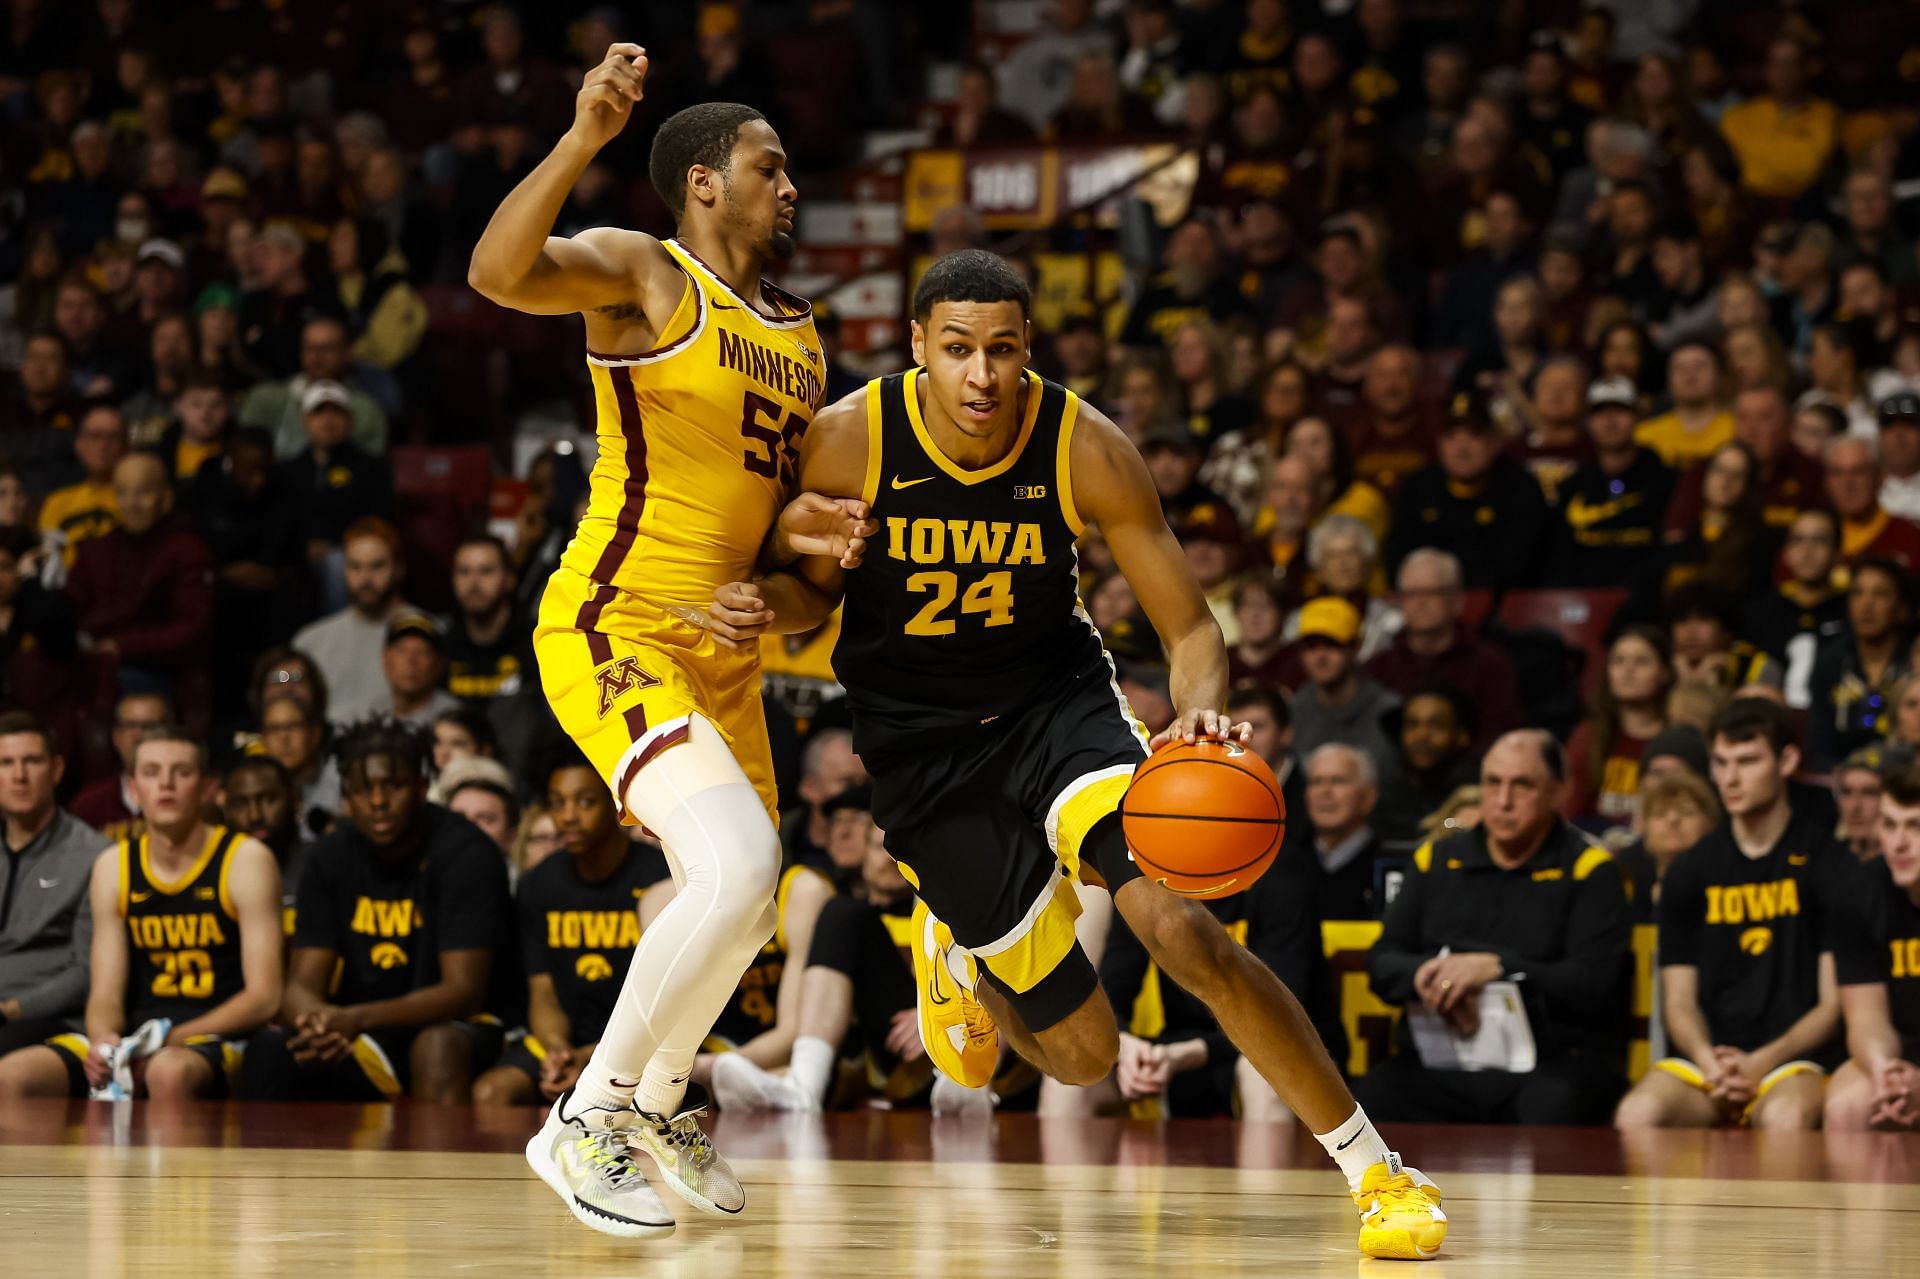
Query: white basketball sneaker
point(585, 1160)
point(693, 1168)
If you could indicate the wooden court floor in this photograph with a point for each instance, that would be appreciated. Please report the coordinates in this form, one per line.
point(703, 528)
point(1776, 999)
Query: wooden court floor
point(99, 1190)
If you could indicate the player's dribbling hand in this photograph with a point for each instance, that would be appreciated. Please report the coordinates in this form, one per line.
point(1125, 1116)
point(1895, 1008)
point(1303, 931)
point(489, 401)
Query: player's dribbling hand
point(607, 95)
point(1202, 723)
point(836, 527)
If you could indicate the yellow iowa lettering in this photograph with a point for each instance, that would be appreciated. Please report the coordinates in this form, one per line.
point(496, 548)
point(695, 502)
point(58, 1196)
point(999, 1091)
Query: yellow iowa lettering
point(377, 918)
point(932, 541)
point(1756, 903)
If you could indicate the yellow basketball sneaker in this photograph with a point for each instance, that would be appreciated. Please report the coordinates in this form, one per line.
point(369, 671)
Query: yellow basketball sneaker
point(959, 1033)
point(1400, 1213)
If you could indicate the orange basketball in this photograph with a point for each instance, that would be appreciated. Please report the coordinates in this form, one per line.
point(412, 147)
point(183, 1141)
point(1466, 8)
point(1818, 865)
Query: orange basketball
point(1204, 819)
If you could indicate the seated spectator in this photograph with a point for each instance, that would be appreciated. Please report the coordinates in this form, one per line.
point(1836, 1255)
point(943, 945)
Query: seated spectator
point(827, 767)
point(536, 840)
point(334, 483)
point(1554, 443)
point(1173, 456)
point(414, 661)
point(1899, 456)
point(1476, 501)
point(489, 648)
point(46, 934)
point(1394, 435)
point(1486, 905)
point(1879, 1085)
point(1785, 481)
point(1269, 711)
point(1433, 757)
point(977, 119)
point(1728, 545)
point(1677, 810)
point(1500, 371)
point(275, 312)
point(257, 800)
point(1612, 508)
point(579, 923)
point(112, 804)
point(1834, 367)
point(1756, 361)
point(1211, 539)
point(857, 977)
point(1683, 308)
point(1116, 614)
point(1335, 489)
point(293, 732)
point(197, 434)
point(403, 945)
point(1337, 703)
point(1855, 671)
point(1857, 782)
point(1699, 421)
point(280, 408)
point(1784, 136)
point(1259, 612)
point(87, 508)
point(1197, 355)
point(1603, 757)
point(1193, 286)
point(1342, 789)
point(1747, 934)
point(143, 594)
point(1867, 531)
point(1345, 560)
point(385, 315)
point(481, 790)
point(38, 417)
point(227, 889)
point(1238, 462)
point(1467, 298)
point(347, 646)
point(1286, 514)
point(1700, 623)
point(461, 734)
point(1436, 646)
point(1790, 622)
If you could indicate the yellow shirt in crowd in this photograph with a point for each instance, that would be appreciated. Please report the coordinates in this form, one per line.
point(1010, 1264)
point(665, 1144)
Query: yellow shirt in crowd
point(1677, 446)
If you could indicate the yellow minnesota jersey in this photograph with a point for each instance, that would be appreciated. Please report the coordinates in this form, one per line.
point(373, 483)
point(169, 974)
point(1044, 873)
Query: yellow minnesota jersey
point(698, 441)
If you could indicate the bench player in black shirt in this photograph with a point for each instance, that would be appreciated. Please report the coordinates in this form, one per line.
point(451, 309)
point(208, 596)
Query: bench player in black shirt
point(186, 928)
point(404, 957)
point(1000, 747)
point(1747, 927)
point(1878, 957)
point(580, 918)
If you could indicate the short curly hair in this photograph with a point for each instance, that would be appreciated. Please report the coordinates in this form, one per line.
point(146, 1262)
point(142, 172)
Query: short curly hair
point(386, 737)
point(703, 134)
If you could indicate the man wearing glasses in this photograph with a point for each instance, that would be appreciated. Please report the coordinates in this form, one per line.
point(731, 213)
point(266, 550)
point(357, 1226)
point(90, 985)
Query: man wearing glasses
point(1436, 647)
point(109, 805)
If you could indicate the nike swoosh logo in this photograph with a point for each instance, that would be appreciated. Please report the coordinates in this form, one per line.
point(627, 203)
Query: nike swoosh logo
point(725, 306)
point(899, 483)
point(139, 897)
point(1348, 1142)
point(49, 883)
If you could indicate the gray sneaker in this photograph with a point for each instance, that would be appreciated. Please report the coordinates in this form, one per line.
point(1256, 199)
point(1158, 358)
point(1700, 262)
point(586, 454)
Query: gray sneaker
point(693, 1168)
point(585, 1160)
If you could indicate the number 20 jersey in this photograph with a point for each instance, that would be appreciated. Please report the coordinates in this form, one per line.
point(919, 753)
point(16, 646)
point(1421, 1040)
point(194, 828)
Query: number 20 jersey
point(966, 606)
point(697, 441)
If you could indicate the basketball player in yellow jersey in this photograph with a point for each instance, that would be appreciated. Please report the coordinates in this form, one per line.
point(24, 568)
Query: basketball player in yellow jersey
point(705, 378)
point(1000, 747)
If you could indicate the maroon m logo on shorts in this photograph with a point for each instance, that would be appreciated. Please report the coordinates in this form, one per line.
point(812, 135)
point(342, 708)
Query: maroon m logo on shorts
point(618, 678)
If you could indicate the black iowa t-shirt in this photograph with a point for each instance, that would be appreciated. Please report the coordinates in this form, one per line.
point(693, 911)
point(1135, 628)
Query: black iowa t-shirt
point(1880, 942)
point(582, 934)
point(389, 924)
point(1755, 928)
point(481, 672)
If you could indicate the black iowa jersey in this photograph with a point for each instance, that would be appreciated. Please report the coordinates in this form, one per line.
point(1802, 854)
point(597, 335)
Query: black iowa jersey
point(1880, 943)
point(388, 923)
point(183, 937)
point(756, 1000)
point(966, 606)
point(1755, 927)
point(582, 935)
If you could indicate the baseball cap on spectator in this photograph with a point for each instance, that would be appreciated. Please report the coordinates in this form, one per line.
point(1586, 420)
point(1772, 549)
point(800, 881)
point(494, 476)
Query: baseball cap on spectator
point(162, 251)
point(405, 624)
point(220, 295)
point(323, 393)
point(1469, 411)
point(1329, 617)
point(1168, 435)
point(1900, 409)
point(1684, 743)
point(1611, 392)
point(1209, 522)
point(1882, 758)
point(224, 184)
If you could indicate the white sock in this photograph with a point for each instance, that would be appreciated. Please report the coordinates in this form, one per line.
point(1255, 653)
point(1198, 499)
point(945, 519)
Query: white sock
point(664, 1085)
point(600, 1086)
point(811, 1067)
point(1356, 1147)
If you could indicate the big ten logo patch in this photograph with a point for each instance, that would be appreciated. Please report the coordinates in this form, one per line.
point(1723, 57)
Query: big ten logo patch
point(1029, 491)
point(619, 677)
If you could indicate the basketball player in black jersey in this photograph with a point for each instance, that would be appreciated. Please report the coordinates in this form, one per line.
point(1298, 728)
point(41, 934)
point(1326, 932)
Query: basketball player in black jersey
point(1000, 747)
point(186, 928)
point(579, 922)
point(1877, 955)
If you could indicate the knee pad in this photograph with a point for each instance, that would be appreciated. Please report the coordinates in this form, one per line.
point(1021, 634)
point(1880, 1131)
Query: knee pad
point(728, 852)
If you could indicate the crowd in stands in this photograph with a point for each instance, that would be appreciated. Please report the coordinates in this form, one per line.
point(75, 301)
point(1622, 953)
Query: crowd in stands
point(1611, 301)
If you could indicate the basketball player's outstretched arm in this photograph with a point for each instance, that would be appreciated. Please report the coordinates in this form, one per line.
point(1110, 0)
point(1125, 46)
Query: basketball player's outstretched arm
point(1113, 491)
point(617, 278)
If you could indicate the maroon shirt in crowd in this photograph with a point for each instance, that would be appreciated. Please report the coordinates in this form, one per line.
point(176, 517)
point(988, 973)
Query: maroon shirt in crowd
point(150, 593)
point(1477, 669)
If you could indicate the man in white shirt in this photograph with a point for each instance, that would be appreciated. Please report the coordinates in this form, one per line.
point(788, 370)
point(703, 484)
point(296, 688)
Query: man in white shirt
point(348, 646)
point(1900, 454)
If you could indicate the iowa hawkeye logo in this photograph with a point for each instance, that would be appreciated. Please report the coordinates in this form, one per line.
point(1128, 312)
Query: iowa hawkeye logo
point(618, 678)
